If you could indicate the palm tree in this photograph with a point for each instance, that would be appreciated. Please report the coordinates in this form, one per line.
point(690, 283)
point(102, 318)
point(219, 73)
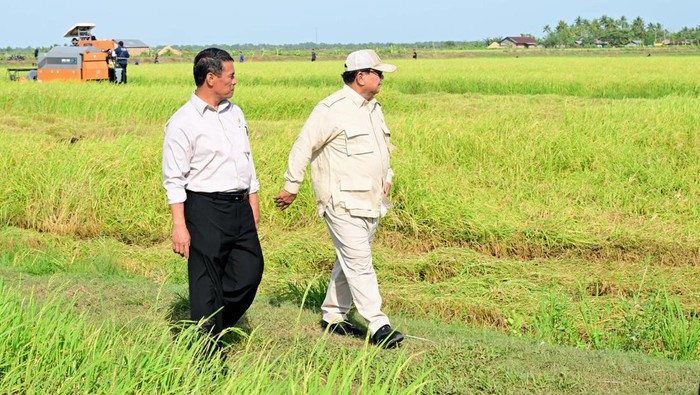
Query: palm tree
point(607, 22)
point(623, 32)
point(563, 32)
point(622, 22)
point(638, 32)
point(596, 29)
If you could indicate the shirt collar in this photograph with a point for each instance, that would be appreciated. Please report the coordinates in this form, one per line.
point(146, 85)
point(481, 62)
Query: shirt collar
point(357, 99)
point(201, 106)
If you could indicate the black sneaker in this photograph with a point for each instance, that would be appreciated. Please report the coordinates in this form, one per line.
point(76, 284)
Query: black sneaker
point(344, 328)
point(385, 337)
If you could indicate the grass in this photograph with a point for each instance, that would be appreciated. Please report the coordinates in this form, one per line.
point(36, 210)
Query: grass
point(76, 339)
point(605, 305)
point(52, 348)
point(551, 200)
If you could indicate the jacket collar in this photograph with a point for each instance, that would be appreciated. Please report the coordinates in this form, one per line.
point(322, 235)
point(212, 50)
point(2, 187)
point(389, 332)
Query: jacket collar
point(357, 99)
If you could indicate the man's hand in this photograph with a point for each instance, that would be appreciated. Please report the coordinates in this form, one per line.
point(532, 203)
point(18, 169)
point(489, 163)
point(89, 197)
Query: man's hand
point(181, 240)
point(284, 199)
point(387, 188)
point(180, 236)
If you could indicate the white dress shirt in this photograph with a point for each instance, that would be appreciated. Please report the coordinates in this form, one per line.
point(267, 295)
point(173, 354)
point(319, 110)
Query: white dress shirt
point(207, 150)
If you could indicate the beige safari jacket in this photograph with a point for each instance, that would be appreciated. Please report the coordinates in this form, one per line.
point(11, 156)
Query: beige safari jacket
point(347, 142)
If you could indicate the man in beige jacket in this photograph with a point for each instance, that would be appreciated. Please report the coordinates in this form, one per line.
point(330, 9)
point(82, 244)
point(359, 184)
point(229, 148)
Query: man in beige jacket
point(347, 143)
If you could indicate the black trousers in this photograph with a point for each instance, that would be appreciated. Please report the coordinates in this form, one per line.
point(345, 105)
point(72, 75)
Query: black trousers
point(226, 263)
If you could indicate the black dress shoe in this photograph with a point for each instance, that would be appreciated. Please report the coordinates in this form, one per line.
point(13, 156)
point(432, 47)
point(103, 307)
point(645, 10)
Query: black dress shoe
point(345, 328)
point(385, 337)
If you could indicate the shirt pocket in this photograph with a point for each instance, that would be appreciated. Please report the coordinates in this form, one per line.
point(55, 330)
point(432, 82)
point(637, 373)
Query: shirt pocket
point(358, 142)
point(240, 140)
point(245, 147)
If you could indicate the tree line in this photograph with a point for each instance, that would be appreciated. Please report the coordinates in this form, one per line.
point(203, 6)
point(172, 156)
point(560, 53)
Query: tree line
point(603, 31)
point(615, 32)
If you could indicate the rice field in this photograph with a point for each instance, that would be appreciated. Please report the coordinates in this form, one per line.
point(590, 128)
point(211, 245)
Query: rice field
point(547, 153)
point(546, 197)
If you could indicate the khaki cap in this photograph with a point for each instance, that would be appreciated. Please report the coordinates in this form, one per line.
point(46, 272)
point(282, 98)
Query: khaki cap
point(367, 59)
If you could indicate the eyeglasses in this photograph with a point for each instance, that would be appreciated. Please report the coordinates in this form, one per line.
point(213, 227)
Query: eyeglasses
point(377, 72)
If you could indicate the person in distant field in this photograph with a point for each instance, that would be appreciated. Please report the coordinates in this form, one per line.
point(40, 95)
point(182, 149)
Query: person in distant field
point(156, 60)
point(347, 143)
point(415, 54)
point(212, 189)
point(36, 53)
point(313, 55)
point(241, 58)
point(122, 56)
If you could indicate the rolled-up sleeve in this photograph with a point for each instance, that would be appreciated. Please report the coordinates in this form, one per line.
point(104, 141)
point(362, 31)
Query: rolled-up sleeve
point(176, 163)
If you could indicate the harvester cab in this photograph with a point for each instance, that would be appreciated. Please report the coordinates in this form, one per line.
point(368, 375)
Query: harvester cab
point(85, 59)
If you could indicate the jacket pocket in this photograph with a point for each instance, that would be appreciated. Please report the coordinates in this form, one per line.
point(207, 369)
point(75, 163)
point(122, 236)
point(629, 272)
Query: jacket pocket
point(356, 193)
point(357, 142)
point(355, 185)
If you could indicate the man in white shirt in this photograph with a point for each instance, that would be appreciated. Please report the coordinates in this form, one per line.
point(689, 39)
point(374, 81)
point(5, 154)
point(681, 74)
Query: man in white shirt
point(210, 181)
point(347, 143)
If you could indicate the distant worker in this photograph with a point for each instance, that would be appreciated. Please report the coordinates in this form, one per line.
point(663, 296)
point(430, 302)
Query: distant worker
point(156, 61)
point(415, 54)
point(36, 53)
point(241, 58)
point(122, 60)
point(313, 55)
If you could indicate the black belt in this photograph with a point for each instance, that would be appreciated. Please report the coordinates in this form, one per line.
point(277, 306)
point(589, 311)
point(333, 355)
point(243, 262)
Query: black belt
point(235, 196)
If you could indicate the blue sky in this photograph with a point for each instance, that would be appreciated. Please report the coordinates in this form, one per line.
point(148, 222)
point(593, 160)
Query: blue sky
point(176, 22)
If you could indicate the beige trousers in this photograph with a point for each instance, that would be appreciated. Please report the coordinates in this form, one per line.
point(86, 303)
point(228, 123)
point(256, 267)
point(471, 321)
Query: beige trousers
point(353, 277)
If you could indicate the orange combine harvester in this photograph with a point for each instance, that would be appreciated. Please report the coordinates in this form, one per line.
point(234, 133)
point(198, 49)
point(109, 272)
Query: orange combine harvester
point(87, 59)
